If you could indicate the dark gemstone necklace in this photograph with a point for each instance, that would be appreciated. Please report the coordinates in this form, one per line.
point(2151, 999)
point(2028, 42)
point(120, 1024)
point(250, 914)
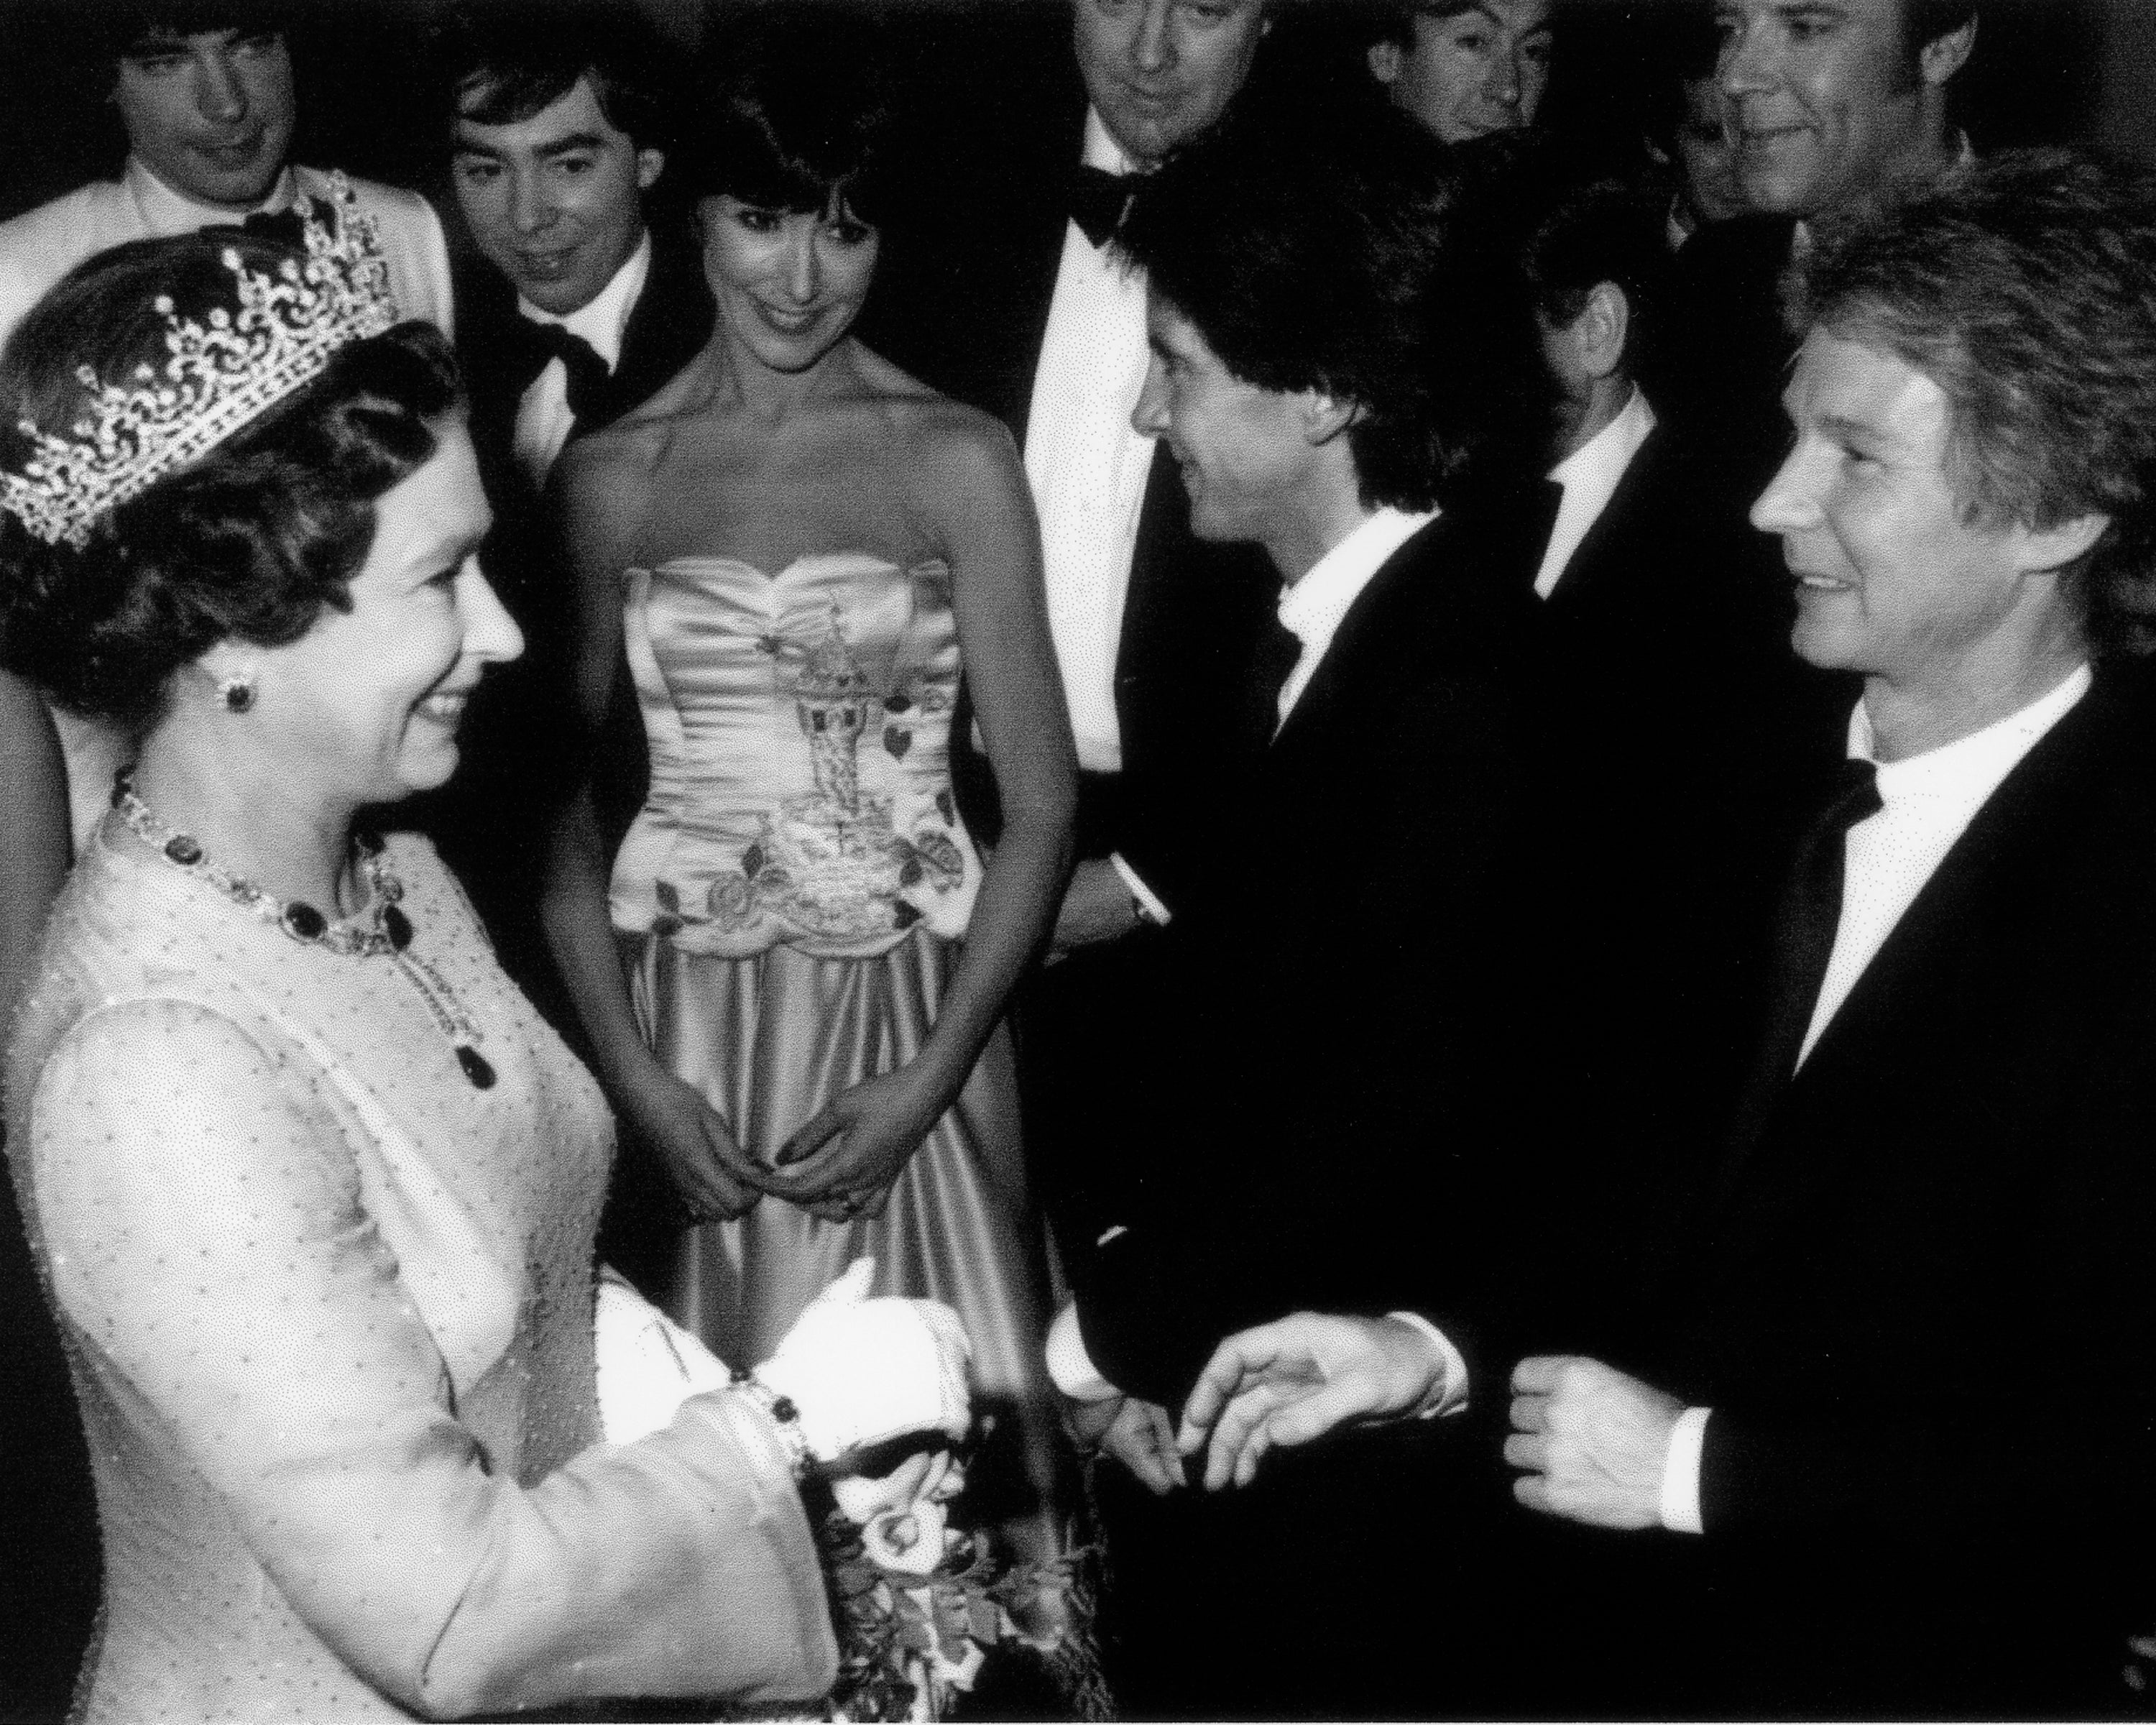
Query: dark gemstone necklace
point(389, 932)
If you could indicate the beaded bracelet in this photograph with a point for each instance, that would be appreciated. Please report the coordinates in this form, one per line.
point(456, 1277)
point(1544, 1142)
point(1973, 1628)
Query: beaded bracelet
point(785, 1415)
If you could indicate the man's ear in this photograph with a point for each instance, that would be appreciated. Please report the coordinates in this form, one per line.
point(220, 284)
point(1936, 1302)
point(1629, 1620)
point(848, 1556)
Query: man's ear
point(1326, 417)
point(649, 165)
point(1385, 60)
point(1944, 55)
point(2045, 550)
point(1598, 334)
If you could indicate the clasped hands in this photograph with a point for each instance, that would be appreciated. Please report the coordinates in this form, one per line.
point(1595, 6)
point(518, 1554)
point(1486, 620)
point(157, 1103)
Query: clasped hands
point(840, 1166)
point(1591, 1442)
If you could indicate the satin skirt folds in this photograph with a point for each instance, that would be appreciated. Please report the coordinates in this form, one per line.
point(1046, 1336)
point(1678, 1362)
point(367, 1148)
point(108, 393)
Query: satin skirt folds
point(769, 1040)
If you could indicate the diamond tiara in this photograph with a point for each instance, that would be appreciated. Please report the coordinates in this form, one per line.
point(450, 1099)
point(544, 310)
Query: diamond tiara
point(219, 379)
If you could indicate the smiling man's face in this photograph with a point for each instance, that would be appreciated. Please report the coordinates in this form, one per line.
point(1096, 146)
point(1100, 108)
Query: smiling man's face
point(555, 201)
point(1827, 97)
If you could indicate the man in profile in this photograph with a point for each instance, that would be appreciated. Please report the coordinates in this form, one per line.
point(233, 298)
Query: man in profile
point(1009, 294)
point(1334, 371)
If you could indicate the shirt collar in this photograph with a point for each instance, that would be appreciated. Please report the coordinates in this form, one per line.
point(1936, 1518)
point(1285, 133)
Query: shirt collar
point(166, 211)
point(1102, 150)
point(1311, 609)
point(603, 321)
point(1976, 763)
point(1595, 467)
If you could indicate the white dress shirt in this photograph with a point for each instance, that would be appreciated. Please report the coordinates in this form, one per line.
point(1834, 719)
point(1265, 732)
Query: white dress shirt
point(1088, 467)
point(1926, 805)
point(40, 246)
point(1312, 609)
point(543, 420)
point(1590, 475)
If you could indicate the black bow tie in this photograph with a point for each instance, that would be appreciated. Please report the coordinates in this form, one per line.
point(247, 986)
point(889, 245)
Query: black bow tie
point(1099, 201)
point(285, 226)
point(588, 376)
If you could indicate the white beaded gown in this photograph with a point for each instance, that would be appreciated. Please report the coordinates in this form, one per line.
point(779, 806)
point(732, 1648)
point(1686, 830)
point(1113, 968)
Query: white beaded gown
point(790, 904)
point(328, 1307)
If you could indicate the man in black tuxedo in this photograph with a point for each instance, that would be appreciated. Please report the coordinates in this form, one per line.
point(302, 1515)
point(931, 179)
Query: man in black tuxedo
point(1653, 579)
point(1830, 106)
point(1006, 294)
point(1885, 1454)
point(584, 306)
point(1327, 359)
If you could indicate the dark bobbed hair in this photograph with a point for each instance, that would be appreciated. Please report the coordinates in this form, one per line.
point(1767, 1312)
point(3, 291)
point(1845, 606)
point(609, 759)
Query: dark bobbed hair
point(1572, 223)
point(2022, 286)
point(500, 62)
point(797, 112)
point(251, 542)
point(1328, 251)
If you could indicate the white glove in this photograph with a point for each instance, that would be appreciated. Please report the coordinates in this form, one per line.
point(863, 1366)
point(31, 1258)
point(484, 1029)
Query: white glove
point(861, 1371)
point(648, 1364)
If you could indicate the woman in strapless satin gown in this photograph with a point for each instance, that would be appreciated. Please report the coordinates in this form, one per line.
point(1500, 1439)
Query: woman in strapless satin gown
point(793, 976)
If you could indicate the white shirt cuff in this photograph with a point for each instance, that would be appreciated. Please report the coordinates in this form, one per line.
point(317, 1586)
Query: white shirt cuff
point(1139, 890)
point(1448, 1394)
point(1069, 1367)
point(1680, 1473)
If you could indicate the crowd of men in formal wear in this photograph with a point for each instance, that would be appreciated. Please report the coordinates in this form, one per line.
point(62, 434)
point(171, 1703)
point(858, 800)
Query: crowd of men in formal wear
point(1594, 1085)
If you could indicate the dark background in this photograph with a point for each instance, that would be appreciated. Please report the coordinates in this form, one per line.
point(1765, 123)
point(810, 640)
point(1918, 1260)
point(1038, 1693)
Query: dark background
point(2045, 71)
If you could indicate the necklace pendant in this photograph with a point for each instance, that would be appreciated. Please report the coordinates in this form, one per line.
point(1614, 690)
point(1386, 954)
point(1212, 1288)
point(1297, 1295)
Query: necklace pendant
point(475, 1066)
point(303, 921)
point(183, 850)
point(399, 927)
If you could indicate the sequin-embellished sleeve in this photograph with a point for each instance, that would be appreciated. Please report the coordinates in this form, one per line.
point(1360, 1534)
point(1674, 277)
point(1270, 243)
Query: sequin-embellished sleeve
point(209, 1247)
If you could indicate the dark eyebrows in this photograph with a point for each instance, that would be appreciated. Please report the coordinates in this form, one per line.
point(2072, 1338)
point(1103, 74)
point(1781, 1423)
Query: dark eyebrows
point(574, 143)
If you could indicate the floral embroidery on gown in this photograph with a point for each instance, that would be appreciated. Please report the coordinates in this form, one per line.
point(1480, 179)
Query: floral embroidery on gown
point(790, 903)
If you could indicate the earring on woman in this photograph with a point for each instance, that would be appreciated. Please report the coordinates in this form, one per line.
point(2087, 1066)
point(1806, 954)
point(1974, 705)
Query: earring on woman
point(236, 693)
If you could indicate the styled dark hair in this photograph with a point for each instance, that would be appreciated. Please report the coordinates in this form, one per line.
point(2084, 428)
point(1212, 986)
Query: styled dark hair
point(1571, 224)
point(1391, 21)
point(2021, 286)
point(797, 112)
point(500, 62)
point(1326, 251)
point(252, 541)
point(122, 28)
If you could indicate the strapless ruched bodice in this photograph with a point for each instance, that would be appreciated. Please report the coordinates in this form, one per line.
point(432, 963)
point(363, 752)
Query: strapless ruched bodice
point(799, 726)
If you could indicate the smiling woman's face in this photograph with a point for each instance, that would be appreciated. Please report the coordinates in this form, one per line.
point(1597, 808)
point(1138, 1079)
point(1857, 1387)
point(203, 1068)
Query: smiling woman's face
point(789, 283)
point(365, 706)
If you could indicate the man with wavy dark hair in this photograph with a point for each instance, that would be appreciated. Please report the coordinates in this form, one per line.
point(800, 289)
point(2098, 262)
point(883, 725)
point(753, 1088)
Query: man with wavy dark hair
point(1878, 1444)
point(1344, 382)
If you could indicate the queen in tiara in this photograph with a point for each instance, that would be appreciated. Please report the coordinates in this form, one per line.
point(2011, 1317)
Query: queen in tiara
point(311, 1187)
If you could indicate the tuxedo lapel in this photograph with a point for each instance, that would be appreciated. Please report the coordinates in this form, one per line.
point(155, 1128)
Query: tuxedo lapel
point(1602, 560)
point(667, 327)
point(1948, 955)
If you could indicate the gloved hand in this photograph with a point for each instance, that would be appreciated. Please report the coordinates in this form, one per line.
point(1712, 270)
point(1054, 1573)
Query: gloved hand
point(862, 1371)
